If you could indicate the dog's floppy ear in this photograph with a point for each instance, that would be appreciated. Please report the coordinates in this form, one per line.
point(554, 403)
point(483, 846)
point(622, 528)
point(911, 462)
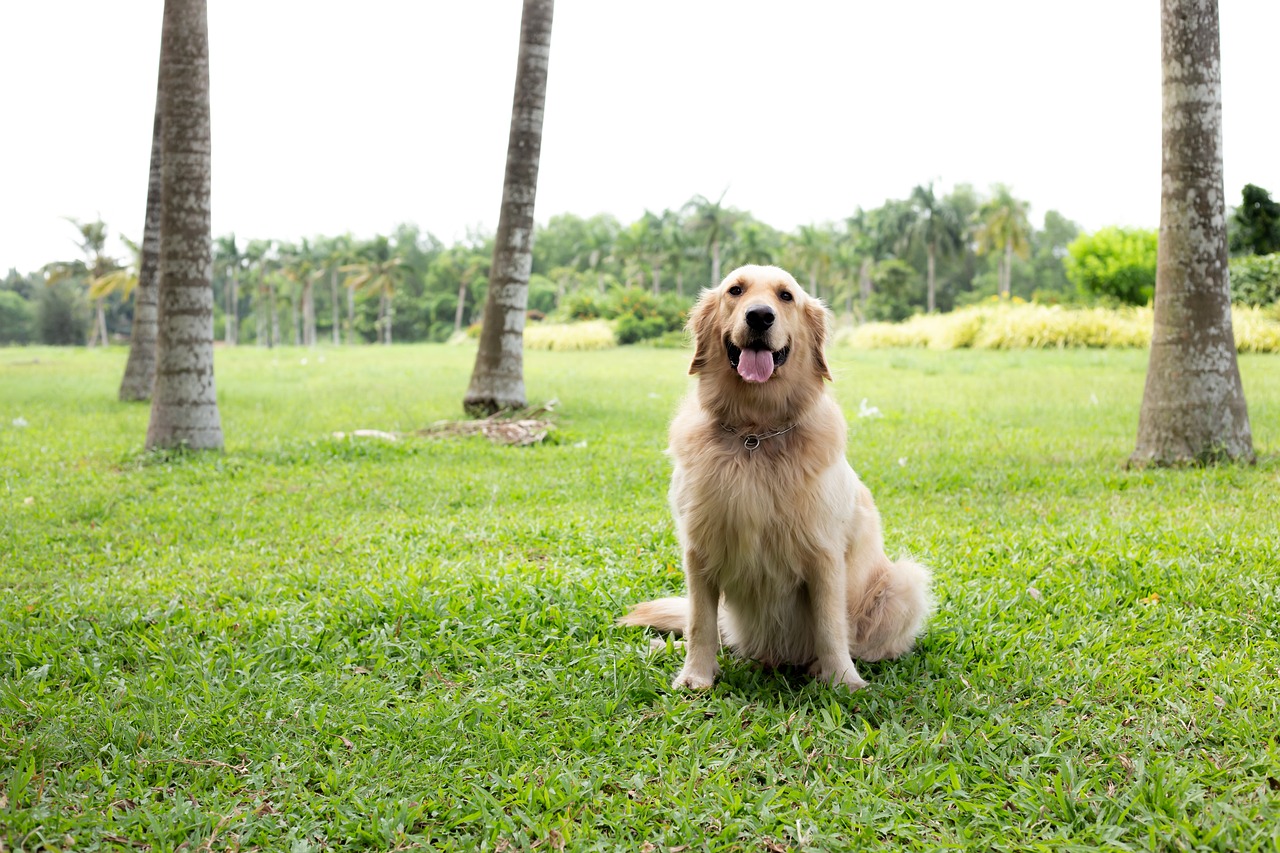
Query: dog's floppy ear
point(702, 325)
point(815, 317)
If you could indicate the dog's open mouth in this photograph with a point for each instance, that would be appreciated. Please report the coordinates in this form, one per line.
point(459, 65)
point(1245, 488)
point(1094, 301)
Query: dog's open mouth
point(755, 363)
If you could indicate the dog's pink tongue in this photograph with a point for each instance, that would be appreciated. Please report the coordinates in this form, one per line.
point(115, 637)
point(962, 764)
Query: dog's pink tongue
point(755, 365)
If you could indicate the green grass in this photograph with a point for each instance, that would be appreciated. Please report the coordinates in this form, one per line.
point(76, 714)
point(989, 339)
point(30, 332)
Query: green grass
point(315, 643)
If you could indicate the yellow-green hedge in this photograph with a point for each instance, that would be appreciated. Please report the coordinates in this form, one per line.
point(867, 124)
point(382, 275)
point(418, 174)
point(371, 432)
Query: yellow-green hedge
point(1031, 326)
point(588, 335)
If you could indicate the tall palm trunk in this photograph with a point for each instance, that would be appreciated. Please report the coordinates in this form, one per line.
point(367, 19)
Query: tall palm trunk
point(715, 261)
point(274, 307)
point(497, 382)
point(931, 282)
point(351, 316)
point(1193, 405)
point(337, 306)
point(99, 324)
point(462, 304)
point(140, 370)
point(1006, 283)
point(308, 313)
point(184, 407)
point(261, 328)
point(233, 308)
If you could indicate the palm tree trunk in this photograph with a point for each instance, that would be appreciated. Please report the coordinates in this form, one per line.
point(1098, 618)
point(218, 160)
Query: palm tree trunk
point(184, 406)
point(100, 323)
point(351, 316)
point(497, 381)
point(931, 292)
point(1006, 284)
point(233, 308)
point(715, 261)
point(260, 318)
point(462, 303)
point(1193, 405)
point(274, 307)
point(140, 370)
point(390, 312)
point(337, 306)
point(308, 313)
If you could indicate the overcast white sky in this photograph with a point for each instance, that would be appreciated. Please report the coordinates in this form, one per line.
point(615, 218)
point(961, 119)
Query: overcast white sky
point(337, 116)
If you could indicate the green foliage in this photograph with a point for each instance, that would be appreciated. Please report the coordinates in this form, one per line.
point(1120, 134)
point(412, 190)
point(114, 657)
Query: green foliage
point(639, 314)
point(1255, 279)
point(17, 319)
point(898, 291)
point(1116, 263)
point(353, 644)
point(1256, 223)
point(62, 315)
point(631, 329)
point(543, 294)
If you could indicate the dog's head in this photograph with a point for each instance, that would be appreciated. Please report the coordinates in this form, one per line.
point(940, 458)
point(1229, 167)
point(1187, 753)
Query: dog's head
point(759, 327)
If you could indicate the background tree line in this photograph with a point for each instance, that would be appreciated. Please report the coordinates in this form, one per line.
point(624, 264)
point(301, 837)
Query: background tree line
point(924, 252)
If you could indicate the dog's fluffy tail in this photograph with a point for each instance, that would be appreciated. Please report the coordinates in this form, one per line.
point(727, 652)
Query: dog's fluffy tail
point(663, 614)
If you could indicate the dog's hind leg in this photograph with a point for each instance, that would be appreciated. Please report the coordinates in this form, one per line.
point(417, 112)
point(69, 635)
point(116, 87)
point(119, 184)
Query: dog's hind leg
point(890, 613)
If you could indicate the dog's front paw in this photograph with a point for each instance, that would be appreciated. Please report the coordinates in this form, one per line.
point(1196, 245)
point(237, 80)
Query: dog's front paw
point(838, 672)
point(695, 679)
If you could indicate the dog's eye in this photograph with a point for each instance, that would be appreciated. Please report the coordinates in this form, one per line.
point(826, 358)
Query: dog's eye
point(785, 296)
point(736, 290)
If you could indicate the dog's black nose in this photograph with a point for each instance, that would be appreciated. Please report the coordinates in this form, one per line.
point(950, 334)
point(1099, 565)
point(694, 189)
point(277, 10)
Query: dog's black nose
point(760, 317)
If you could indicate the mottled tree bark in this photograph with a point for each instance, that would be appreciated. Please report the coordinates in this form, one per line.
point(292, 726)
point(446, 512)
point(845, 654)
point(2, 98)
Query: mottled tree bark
point(184, 406)
point(1193, 407)
point(140, 370)
point(497, 382)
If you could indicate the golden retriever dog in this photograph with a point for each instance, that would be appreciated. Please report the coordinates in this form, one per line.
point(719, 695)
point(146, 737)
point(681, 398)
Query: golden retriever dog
point(783, 554)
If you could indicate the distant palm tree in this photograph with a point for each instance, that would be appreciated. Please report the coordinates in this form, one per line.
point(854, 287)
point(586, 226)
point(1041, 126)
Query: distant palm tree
point(96, 264)
point(1003, 226)
point(755, 244)
point(938, 228)
point(300, 267)
point(714, 223)
point(497, 380)
point(184, 405)
point(140, 369)
point(228, 256)
point(379, 273)
point(814, 248)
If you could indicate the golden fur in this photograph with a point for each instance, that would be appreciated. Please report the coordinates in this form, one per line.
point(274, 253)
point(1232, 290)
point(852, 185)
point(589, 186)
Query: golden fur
point(783, 555)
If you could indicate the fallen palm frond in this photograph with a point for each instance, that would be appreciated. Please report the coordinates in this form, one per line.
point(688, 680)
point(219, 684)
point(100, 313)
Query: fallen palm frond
point(519, 428)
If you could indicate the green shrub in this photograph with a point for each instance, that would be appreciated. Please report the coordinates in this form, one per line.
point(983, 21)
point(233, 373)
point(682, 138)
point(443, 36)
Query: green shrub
point(586, 305)
point(1119, 263)
point(631, 328)
point(640, 315)
point(17, 319)
point(1255, 280)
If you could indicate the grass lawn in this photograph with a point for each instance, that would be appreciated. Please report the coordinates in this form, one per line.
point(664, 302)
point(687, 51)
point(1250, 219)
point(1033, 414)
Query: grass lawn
point(313, 643)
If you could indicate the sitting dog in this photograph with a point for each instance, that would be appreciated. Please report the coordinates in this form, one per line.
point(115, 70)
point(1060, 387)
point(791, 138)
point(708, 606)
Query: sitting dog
point(783, 554)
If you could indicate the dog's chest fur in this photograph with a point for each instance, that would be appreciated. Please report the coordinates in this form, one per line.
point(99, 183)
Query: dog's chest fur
point(742, 511)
